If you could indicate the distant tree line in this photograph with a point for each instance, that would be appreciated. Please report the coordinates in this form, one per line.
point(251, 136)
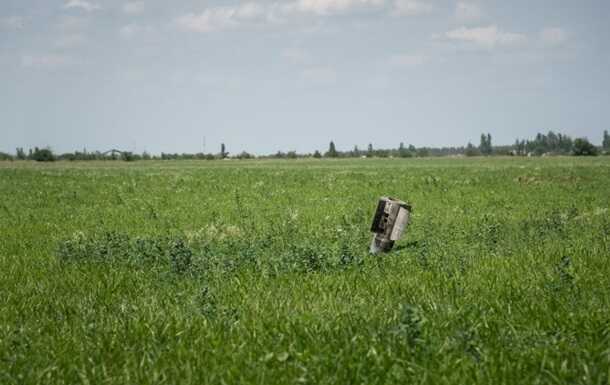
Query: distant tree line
point(47, 155)
point(542, 144)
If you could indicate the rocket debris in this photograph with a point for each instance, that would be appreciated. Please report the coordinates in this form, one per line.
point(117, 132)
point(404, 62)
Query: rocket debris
point(389, 224)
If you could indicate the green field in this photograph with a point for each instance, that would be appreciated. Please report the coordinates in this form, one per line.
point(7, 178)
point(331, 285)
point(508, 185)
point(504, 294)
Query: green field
point(228, 272)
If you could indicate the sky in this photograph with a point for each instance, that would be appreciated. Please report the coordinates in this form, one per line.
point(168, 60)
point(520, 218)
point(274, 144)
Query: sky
point(268, 75)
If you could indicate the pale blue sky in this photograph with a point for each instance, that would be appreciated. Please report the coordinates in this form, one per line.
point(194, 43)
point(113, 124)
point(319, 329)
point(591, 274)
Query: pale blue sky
point(265, 75)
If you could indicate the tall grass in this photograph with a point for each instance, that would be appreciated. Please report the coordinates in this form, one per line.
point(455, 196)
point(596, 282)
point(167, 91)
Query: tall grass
point(257, 272)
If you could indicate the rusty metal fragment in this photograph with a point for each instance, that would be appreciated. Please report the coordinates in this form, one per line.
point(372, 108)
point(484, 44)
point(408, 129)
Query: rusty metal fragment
point(389, 223)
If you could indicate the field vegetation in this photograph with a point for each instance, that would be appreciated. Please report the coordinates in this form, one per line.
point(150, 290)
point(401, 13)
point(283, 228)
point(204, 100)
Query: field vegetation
point(186, 272)
point(541, 145)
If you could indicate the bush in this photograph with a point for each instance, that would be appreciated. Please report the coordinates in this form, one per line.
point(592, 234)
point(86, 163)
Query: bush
point(244, 155)
point(471, 150)
point(128, 156)
point(5, 156)
point(43, 155)
point(582, 147)
point(423, 152)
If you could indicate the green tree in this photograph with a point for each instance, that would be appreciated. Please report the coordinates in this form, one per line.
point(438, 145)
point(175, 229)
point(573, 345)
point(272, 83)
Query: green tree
point(582, 147)
point(485, 146)
point(423, 152)
point(606, 141)
point(317, 154)
point(402, 151)
point(21, 154)
point(471, 150)
point(519, 147)
point(245, 155)
point(223, 151)
point(128, 156)
point(490, 148)
point(332, 151)
point(43, 155)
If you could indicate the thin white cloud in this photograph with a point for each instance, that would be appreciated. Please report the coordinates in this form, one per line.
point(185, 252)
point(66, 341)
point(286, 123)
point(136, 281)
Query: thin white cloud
point(70, 41)
point(553, 36)
point(488, 37)
point(82, 4)
point(46, 61)
point(411, 7)
point(72, 23)
point(133, 7)
point(407, 60)
point(131, 30)
point(12, 22)
point(218, 18)
point(328, 7)
point(128, 31)
point(252, 13)
point(467, 11)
